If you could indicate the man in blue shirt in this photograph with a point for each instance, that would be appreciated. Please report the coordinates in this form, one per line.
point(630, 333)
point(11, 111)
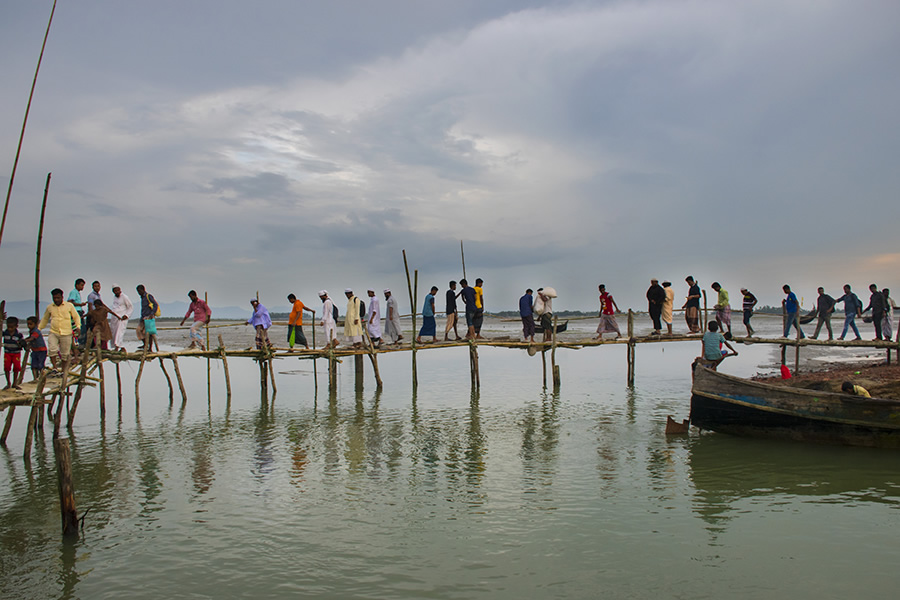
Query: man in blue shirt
point(852, 308)
point(791, 308)
point(526, 311)
point(429, 326)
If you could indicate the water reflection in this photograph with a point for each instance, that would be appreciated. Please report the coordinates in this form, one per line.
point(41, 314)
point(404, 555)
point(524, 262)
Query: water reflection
point(728, 471)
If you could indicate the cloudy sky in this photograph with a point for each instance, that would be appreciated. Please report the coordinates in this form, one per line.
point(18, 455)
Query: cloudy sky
point(276, 146)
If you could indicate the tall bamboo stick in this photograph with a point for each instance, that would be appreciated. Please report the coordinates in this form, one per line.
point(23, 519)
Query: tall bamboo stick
point(412, 302)
point(40, 239)
point(37, 69)
point(463, 255)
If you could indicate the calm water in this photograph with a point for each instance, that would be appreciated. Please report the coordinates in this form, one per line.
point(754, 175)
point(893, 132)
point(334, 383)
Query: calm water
point(508, 493)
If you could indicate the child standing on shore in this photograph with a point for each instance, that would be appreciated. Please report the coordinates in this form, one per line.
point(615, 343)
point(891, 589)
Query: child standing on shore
point(12, 350)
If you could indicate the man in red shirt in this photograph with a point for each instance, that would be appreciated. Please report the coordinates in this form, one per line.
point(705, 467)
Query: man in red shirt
point(202, 314)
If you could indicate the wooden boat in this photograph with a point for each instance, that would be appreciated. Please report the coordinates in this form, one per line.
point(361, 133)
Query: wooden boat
point(809, 317)
point(560, 327)
point(729, 404)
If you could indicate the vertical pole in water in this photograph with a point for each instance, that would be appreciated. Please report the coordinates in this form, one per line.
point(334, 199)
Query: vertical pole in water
point(631, 347)
point(178, 377)
point(66, 489)
point(556, 379)
point(358, 369)
point(797, 347)
point(137, 379)
point(315, 372)
point(7, 425)
point(272, 374)
point(332, 370)
point(225, 367)
point(544, 365)
point(119, 385)
point(412, 304)
point(102, 382)
point(208, 363)
point(705, 319)
point(473, 365)
point(373, 358)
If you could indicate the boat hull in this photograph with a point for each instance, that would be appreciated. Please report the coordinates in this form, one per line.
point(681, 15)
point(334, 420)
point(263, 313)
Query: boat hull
point(741, 407)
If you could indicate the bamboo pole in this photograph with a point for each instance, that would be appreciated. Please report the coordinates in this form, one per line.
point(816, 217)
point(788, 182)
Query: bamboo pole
point(168, 381)
point(137, 380)
point(12, 176)
point(473, 365)
point(544, 365)
point(705, 319)
point(630, 348)
point(85, 357)
point(412, 302)
point(225, 365)
point(315, 370)
point(67, 510)
point(272, 374)
point(208, 363)
point(462, 253)
point(178, 378)
point(119, 386)
point(102, 382)
point(7, 425)
point(372, 358)
point(556, 379)
point(29, 433)
point(37, 260)
point(358, 370)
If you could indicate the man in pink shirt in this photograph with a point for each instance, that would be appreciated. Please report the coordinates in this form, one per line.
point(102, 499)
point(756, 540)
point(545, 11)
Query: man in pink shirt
point(202, 314)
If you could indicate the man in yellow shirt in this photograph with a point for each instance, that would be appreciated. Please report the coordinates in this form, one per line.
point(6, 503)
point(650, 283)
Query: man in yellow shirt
point(61, 316)
point(478, 319)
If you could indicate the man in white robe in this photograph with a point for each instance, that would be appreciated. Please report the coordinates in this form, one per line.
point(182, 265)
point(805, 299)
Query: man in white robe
point(120, 312)
point(373, 318)
point(392, 330)
point(328, 322)
point(353, 324)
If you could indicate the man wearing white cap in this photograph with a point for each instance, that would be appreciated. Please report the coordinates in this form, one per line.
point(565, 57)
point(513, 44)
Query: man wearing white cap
point(120, 312)
point(352, 320)
point(373, 318)
point(392, 319)
point(328, 323)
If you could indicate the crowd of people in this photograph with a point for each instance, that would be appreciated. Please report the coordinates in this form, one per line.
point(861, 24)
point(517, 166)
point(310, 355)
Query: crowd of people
point(79, 323)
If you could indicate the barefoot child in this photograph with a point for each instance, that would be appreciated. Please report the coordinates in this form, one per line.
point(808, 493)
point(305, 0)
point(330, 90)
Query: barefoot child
point(35, 343)
point(12, 349)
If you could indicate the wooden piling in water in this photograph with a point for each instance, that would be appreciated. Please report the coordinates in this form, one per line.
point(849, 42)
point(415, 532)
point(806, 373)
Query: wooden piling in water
point(68, 514)
point(178, 378)
point(555, 367)
point(137, 379)
point(225, 367)
point(272, 375)
point(7, 425)
point(85, 357)
point(630, 351)
point(102, 382)
point(119, 386)
point(372, 358)
point(413, 296)
point(473, 365)
point(358, 370)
